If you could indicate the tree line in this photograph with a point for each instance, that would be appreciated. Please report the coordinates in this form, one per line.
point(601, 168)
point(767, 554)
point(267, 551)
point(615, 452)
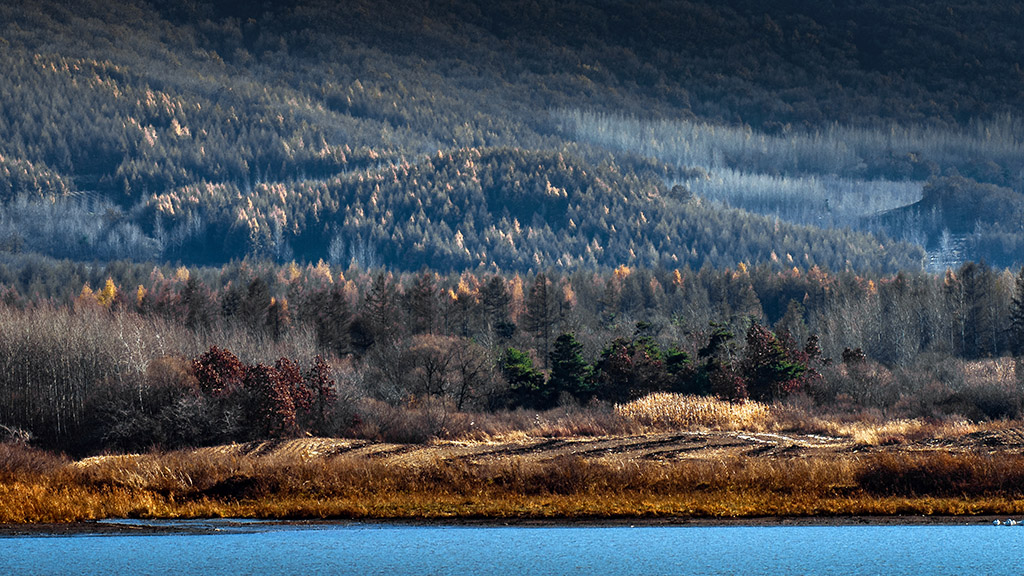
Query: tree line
point(260, 350)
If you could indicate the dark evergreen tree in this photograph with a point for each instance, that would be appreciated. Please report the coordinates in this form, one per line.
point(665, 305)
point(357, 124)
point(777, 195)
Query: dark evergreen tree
point(717, 374)
point(278, 318)
point(570, 373)
point(630, 369)
point(792, 321)
point(231, 301)
point(981, 314)
point(680, 370)
point(526, 384)
point(323, 394)
point(361, 335)
point(331, 318)
point(198, 304)
point(767, 367)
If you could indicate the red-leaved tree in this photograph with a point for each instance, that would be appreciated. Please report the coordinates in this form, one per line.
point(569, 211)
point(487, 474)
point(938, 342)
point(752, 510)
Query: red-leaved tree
point(271, 409)
point(322, 394)
point(218, 371)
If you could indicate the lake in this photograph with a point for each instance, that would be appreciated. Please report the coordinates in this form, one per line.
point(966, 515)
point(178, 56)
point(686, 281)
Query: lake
point(225, 547)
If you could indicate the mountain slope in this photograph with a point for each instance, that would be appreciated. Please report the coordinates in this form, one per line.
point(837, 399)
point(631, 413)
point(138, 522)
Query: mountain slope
point(207, 131)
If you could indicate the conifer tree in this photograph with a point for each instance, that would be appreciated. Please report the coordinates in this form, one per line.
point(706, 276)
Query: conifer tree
point(198, 305)
point(767, 367)
point(981, 334)
point(717, 375)
point(278, 318)
point(526, 384)
point(254, 307)
point(231, 301)
point(323, 394)
point(108, 294)
point(569, 371)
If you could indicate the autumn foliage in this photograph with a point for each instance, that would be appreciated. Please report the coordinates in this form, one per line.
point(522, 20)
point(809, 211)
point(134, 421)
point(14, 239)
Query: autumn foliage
point(277, 400)
point(200, 356)
point(217, 371)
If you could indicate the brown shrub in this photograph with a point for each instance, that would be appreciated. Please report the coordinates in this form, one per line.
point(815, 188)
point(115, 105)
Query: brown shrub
point(19, 461)
point(417, 421)
point(942, 474)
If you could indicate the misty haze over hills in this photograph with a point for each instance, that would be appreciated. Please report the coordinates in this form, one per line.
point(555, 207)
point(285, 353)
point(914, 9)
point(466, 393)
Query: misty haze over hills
point(513, 135)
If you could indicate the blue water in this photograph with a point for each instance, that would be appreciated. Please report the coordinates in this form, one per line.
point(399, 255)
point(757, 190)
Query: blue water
point(339, 549)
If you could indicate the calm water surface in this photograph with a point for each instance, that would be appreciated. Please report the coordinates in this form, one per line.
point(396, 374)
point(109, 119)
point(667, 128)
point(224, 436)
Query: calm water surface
point(209, 548)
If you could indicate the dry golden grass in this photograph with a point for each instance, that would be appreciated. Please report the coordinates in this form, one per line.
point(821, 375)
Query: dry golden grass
point(667, 410)
point(207, 484)
point(996, 370)
point(564, 422)
point(302, 479)
point(871, 430)
point(899, 430)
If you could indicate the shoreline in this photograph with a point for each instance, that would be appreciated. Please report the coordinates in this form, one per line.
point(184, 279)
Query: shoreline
point(158, 526)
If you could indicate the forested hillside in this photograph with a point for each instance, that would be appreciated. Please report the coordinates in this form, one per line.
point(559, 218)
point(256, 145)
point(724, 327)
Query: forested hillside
point(508, 136)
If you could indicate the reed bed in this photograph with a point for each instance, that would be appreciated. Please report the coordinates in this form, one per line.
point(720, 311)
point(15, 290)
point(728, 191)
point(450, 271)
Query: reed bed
point(679, 411)
point(665, 411)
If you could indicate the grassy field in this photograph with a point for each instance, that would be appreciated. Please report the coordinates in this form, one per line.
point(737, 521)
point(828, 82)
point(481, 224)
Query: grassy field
point(184, 485)
point(665, 469)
